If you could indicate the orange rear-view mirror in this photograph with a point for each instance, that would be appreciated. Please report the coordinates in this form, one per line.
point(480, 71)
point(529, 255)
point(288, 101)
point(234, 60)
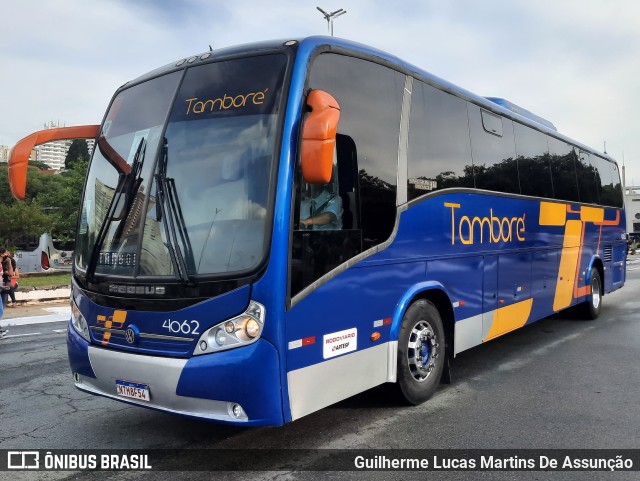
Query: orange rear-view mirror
point(19, 156)
point(319, 137)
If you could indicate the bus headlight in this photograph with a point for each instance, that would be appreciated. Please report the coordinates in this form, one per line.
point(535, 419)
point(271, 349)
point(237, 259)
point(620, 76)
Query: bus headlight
point(79, 323)
point(239, 331)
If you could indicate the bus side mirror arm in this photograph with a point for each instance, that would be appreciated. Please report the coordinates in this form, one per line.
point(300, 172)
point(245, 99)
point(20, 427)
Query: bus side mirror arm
point(319, 137)
point(19, 156)
point(112, 156)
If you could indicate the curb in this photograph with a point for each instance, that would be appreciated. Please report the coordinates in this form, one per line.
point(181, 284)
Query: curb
point(26, 296)
point(23, 289)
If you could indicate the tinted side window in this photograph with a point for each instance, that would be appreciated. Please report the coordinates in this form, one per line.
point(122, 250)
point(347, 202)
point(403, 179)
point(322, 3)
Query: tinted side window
point(563, 170)
point(439, 150)
point(494, 157)
point(362, 193)
point(608, 180)
point(616, 199)
point(534, 169)
point(588, 182)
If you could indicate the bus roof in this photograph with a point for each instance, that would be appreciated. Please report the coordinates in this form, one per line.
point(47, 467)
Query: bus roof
point(306, 47)
point(522, 111)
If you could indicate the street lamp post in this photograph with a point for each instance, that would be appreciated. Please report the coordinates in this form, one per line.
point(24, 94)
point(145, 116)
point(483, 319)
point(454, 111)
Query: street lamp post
point(329, 17)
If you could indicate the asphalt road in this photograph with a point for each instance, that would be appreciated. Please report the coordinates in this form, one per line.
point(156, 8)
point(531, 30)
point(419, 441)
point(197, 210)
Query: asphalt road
point(559, 383)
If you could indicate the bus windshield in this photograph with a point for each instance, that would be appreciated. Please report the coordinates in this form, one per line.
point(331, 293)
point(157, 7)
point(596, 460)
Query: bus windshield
point(190, 194)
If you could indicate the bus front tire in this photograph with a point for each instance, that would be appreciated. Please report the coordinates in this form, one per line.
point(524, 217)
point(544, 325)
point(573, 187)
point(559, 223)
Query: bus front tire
point(593, 305)
point(421, 352)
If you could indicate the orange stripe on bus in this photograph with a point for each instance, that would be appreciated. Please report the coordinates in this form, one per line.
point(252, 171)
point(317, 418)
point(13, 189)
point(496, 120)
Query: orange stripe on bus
point(615, 221)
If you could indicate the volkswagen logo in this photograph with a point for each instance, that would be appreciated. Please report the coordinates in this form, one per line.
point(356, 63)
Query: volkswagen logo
point(132, 334)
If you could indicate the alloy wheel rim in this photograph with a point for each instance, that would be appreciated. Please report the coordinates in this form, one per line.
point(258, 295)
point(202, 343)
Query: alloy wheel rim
point(422, 351)
point(595, 293)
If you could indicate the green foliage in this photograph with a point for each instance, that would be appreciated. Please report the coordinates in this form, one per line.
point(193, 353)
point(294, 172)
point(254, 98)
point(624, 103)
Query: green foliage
point(39, 165)
point(5, 192)
point(62, 200)
point(39, 280)
point(22, 219)
point(78, 152)
point(51, 204)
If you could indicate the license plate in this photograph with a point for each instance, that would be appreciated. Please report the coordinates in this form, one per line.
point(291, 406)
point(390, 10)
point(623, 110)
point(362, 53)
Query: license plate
point(132, 390)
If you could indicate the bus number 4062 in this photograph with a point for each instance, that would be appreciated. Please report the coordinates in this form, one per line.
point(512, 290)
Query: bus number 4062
point(184, 327)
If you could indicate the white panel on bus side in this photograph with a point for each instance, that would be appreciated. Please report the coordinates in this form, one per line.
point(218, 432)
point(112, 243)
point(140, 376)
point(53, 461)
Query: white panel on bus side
point(320, 385)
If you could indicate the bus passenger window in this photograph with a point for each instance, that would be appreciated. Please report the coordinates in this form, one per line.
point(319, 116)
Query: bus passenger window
point(563, 170)
point(608, 180)
point(534, 167)
point(495, 166)
point(616, 193)
point(439, 154)
point(588, 184)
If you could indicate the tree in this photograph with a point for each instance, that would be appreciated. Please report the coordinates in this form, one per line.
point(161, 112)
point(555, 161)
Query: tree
point(78, 152)
point(39, 165)
point(22, 219)
point(61, 200)
point(51, 204)
point(5, 192)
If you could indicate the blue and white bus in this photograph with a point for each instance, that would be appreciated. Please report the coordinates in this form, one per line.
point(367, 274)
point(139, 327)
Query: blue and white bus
point(39, 254)
point(271, 228)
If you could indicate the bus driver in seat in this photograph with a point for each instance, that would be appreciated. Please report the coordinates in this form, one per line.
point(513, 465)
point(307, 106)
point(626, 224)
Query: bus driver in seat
point(321, 209)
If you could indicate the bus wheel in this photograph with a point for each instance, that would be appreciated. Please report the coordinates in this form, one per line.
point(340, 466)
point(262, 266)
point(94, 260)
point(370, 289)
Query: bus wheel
point(421, 352)
point(593, 305)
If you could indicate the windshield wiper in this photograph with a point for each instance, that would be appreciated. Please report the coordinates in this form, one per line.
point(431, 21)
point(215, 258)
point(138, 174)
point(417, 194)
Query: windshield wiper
point(169, 211)
point(129, 181)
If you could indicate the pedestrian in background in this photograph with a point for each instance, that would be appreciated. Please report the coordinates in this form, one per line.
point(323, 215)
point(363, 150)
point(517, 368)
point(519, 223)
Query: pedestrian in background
point(13, 281)
point(3, 332)
point(7, 274)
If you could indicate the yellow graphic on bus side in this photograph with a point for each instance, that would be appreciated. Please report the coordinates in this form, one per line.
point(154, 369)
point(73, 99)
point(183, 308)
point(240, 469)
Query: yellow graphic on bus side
point(569, 260)
point(509, 318)
point(591, 214)
point(568, 288)
point(555, 214)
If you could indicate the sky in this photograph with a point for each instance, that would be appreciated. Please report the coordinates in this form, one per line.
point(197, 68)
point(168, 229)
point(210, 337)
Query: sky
point(573, 62)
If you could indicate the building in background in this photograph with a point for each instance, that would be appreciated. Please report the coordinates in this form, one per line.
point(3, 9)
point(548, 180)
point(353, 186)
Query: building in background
point(54, 153)
point(632, 207)
point(5, 150)
point(4, 153)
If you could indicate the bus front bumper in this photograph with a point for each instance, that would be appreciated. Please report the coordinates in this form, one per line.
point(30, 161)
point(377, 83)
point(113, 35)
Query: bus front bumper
point(208, 387)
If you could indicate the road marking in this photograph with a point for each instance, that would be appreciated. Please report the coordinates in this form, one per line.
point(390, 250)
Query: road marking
point(25, 321)
point(23, 335)
point(66, 310)
point(31, 334)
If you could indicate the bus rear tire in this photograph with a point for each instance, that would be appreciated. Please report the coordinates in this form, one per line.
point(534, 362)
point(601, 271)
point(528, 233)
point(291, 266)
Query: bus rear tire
point(421, 352)
point(593, 305)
